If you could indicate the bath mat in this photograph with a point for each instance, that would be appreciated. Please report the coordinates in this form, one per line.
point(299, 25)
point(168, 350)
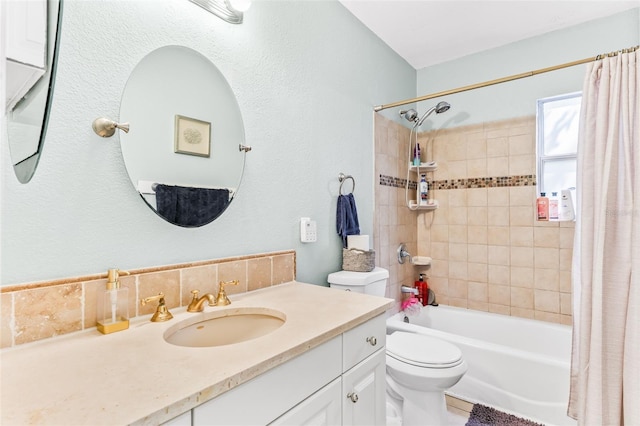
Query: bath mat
point(487, 416)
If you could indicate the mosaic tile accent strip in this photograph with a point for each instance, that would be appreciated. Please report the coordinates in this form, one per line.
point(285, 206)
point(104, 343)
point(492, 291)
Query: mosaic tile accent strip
point(397, 182)
point(486, 182)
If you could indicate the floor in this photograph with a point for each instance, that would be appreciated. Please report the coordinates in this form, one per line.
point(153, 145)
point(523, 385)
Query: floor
point(456, 417)
point(457, 420)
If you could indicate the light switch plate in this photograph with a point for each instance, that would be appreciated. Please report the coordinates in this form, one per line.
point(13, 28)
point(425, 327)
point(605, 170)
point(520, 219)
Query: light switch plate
point(308, 230)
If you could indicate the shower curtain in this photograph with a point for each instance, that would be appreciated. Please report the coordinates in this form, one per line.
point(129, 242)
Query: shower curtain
point(605, 365)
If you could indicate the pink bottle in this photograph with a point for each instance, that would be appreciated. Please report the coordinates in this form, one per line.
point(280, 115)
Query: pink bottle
point(542, 205)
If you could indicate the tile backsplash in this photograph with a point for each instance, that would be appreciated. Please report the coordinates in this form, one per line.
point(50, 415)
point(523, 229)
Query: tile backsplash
point(489, 253)
point(36, 311)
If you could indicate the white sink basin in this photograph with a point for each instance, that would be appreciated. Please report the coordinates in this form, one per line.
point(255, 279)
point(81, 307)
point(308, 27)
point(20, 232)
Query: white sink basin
point(224, 327)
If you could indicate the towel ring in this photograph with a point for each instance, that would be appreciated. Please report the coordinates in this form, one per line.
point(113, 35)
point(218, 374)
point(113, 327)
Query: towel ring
point(342, 177)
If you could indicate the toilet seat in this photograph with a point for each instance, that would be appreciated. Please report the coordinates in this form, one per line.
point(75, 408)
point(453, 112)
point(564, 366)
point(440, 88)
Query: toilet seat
point(423, 351)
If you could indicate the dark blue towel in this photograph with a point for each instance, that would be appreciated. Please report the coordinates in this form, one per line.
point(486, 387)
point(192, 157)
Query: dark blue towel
point(190, 207)
point(347, 217)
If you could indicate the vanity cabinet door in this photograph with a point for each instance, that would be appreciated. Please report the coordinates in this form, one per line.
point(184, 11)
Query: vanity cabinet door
point(363, 392)
point(182, 420)
point(26, 32)
point(26, 47)
point(320, 409)
point(268, 396)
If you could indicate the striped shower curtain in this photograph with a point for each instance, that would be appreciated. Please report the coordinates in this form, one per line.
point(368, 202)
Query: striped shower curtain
point(605, 365)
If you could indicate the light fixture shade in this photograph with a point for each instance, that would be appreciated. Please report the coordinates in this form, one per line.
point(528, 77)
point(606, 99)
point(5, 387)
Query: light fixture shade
point(222, 9)
point(239, 5)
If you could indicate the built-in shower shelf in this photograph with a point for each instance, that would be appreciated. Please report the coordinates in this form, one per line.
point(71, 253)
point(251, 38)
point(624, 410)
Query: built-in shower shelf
point(424, 167)
point(432, 205)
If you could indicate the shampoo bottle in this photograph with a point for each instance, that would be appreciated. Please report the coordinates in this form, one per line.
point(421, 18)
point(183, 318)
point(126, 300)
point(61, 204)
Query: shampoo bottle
point(113, 305)
point(416, 155)
point(542, 207)
point(423, 290)
point(423, 189)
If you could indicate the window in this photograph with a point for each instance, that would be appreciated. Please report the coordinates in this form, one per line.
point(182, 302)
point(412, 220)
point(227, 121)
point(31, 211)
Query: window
point(557, 145)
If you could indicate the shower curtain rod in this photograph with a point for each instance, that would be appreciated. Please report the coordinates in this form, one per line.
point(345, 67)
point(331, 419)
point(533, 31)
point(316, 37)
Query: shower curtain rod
point(502, 80)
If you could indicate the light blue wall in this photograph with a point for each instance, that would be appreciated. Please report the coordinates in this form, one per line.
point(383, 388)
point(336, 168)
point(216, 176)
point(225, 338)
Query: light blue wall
point(306, 75)
point(518, 98)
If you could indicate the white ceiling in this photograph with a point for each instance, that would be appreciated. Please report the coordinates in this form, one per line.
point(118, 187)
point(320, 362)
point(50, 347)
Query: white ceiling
point(428, 32)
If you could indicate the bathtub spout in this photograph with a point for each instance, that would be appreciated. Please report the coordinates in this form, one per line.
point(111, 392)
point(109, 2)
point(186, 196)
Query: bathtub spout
point(406, 289)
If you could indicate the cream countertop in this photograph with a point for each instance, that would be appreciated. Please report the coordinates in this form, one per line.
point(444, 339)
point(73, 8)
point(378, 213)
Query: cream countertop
point(134, 376)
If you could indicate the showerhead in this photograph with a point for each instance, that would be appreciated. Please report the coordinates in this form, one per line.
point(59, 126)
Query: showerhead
point(410, 115)
point(439, 109)
point(442, 107)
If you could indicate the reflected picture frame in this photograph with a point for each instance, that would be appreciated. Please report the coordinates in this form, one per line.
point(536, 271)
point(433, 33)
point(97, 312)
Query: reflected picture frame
point(192, 136)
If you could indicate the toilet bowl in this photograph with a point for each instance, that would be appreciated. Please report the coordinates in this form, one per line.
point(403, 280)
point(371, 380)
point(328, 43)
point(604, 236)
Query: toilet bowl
point(419, 368)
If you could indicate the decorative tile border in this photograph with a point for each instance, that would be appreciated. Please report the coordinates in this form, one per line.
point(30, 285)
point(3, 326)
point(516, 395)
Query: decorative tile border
point(36, 311)
point(397, 182)
point(486, 182)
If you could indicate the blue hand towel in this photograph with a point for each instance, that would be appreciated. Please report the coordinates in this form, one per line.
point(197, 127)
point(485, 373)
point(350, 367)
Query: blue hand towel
point(190, 207)
point(347, 217)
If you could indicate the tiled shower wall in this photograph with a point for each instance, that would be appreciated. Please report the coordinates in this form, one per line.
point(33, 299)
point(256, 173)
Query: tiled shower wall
point(489, 253)
point(394, 223)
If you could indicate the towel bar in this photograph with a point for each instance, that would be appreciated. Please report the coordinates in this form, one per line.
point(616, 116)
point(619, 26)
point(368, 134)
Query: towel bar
point(342, 177)
point(149, 187)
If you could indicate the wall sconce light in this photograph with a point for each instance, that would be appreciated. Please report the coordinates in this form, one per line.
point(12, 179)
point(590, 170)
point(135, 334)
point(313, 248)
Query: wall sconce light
point(228, 10)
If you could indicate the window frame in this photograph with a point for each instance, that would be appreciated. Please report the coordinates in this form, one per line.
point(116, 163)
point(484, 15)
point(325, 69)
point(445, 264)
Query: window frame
point(542, 159)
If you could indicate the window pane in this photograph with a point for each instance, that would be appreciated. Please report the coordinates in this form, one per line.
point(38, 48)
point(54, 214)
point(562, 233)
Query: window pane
point(561, 119)
point(558, 175)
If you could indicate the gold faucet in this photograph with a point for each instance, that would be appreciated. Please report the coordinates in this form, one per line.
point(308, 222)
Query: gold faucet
point(162, 313)
point(197, 305)
point(222, 299)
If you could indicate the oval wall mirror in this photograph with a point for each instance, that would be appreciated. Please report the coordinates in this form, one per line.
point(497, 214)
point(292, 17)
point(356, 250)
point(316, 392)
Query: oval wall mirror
point(183, 152)
point(28, 111)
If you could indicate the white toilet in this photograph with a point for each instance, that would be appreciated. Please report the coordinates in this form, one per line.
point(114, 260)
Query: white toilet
point(419, 368)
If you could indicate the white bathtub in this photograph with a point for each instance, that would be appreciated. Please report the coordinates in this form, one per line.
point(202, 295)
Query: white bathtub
point(516, 365)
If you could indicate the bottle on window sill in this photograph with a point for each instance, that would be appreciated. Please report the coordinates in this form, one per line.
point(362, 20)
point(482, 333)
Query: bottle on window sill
point(542, 207)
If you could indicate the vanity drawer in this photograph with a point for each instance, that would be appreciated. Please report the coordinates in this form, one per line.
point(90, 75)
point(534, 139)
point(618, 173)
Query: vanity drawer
point(360, 342)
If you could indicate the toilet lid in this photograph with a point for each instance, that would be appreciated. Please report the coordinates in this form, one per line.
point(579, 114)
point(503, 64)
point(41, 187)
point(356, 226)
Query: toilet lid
point(422, 351)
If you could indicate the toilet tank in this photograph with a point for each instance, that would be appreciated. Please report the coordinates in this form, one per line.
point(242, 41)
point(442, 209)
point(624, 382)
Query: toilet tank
point(374, 282)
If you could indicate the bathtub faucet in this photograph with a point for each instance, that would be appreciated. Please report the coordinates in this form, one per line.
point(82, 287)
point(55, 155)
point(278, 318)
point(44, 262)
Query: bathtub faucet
point(402, 253)
point(405, 289)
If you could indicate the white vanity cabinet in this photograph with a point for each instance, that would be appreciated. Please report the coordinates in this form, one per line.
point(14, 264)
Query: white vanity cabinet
point(26, 46)
point(323, 408)
point(266, 397)
point(183, 419)
point(363, 378)
point(341, 381)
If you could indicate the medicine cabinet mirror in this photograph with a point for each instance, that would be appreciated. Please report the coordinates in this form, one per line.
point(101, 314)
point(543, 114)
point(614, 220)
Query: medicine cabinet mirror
point(32, 55)
point(183, 152)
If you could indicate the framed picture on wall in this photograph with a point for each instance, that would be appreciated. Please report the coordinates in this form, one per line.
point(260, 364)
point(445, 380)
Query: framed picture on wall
point(193, 137)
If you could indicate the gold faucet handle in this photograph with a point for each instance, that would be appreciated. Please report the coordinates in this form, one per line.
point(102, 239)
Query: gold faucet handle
point(222, 298)
point(162, 313)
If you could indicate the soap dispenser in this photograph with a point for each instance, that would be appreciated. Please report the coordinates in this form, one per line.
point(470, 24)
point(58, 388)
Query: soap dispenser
point(113, 305)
